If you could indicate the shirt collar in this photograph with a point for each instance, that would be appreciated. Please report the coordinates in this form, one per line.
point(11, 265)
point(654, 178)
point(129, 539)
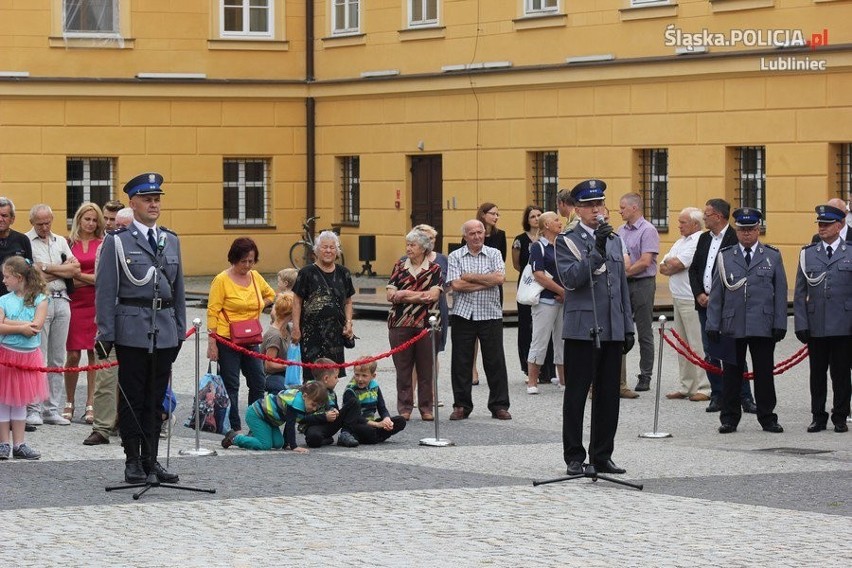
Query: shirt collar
point(142, 228)
point(32, 235)
point(415, 270)
point(833, 244)
point(721, 233)
point(586, 227)
point(754, 248)
point(637, 224)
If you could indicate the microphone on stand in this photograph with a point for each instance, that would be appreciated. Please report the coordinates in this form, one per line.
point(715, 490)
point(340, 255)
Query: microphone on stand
point(162, 242)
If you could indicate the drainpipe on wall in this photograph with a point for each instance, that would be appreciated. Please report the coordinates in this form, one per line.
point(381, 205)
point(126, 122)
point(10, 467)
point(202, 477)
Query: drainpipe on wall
point(310, 115)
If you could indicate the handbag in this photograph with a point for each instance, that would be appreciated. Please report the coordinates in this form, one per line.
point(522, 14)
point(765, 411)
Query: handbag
point(529, 290)
point(212, 405)
point(246, 332)
point(293, 374)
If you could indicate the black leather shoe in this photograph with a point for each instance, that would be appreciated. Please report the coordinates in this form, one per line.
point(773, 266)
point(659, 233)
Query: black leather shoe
point(774, 427)
point(714, 406)
point(841, 427)
point(816, 426)
point(29, 428)
point(575, 468)
point(134, 472)
point(164, 476)
point(643, 384)
point(608, 466)
point(727, 428)
point(749, 406)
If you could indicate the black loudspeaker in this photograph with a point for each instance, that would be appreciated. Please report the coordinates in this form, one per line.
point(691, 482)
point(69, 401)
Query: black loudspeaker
point(367, 248)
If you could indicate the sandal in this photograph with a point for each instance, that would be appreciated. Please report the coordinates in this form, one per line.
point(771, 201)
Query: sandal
point(68, 413)
point(89, 416)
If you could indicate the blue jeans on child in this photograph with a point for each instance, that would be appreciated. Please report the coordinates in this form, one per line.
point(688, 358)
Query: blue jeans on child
point(264, 436)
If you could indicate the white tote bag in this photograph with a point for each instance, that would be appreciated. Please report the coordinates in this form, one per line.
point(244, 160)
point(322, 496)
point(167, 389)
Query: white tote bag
point(529, 289)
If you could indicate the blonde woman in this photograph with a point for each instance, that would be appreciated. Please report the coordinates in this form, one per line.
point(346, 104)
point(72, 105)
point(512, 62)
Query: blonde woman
point(87, 234)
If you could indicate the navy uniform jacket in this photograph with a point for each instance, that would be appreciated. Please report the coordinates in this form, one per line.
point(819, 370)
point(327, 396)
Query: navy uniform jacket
point(128, 325)
point(756, 308)
point(825, 308)
point(615, 316)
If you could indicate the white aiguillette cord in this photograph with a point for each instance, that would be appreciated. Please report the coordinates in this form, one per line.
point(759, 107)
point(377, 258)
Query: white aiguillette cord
point(812, 281)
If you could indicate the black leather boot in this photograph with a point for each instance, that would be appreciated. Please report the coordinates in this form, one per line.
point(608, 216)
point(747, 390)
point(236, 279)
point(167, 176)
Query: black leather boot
point(152, 466)
point(133, 470)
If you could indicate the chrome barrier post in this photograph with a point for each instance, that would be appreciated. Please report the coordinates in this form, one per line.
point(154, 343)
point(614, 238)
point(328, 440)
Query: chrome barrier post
point(198, 450)
point(437, 441)
point(656, 434)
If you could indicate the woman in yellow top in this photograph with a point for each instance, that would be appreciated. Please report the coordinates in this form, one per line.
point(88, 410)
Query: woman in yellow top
point(239, 293)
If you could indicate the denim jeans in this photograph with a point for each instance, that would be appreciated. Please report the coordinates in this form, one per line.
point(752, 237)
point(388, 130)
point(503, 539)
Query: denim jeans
point(231, 363)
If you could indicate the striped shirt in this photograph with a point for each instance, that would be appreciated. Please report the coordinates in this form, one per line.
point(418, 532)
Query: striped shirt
point(418, 279)
point(480, 305)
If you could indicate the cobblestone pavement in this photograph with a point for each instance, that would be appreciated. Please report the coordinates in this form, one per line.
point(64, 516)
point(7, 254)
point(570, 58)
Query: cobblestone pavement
point(746, 499)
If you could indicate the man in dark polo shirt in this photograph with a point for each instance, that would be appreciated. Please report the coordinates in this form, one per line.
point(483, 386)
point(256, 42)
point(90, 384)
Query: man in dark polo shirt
point(12, 243)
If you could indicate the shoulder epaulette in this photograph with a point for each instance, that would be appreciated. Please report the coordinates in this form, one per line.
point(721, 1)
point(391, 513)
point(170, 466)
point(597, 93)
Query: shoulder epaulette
point(166, 229)
point(771, 247)
point(809, 245)
point(727, 247)
point(117, 231)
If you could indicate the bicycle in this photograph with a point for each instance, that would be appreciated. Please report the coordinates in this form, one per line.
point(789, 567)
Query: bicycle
point(302, 252)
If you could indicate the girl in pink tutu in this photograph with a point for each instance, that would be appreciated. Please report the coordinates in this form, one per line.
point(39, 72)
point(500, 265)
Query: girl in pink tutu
point(22, 314)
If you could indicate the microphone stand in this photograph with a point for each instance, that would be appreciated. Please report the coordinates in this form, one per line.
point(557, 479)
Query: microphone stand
point(156, 305)
point(589, 470)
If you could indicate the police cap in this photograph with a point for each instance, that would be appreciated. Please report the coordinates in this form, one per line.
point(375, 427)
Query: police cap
point(829, 214)
point(144, 184)
point(747, 217)
point(588, 190)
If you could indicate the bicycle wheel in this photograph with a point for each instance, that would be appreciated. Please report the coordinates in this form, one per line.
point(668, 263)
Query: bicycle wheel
point(301, 254)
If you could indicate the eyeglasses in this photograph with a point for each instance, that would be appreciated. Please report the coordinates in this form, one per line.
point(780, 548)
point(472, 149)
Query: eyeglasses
point(495, 213)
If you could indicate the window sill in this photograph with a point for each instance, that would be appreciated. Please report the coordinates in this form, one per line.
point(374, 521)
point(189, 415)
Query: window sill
point(91, 42)
point(227, 226)
point(247, 44)
point(420, 33)
point(352, 224)
point(538, 22)
point(736, 5)
point(649, 12)
point(344, 40)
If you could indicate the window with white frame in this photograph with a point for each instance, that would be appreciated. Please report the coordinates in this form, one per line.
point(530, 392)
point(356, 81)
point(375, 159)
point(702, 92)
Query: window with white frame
point(87, 179)
point(345, 16)
point(350, 188)
point(245, 184)
point(751, 179)
point(253, 18)
point(654, 185)
point(538, 7)
point(422, 13)
point(90, 17)
point(545, 179)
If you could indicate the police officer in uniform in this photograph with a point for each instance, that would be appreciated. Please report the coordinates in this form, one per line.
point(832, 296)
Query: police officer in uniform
point(748, 301)
point(822, 308)
point(141, 311)
point(590, 255)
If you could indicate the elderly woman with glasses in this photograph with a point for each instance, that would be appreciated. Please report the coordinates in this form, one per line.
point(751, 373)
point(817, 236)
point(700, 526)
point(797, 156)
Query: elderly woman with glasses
point(238, 293)
point(322, 306)
point(413, 290)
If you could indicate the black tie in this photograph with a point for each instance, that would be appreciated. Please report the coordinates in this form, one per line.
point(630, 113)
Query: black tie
point(830, 251)
point(152, 241)
point(748, 256)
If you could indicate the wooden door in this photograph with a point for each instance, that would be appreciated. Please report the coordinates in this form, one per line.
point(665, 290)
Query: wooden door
point(427, 194)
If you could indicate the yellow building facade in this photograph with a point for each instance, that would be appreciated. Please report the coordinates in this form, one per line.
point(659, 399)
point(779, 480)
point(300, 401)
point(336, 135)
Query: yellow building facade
point(408, 111)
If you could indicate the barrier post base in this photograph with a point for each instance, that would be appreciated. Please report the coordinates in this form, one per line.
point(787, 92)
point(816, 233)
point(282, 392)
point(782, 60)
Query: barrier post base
point(199, 452)
point(655, 435)
point(436, 442)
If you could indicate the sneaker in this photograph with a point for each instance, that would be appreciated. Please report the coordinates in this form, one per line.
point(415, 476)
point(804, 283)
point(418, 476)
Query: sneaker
point(30, 428)
point(34, 418)
point(24, 452)
point(164, 427)
point(554, 380)
point(532, 390)
point(5, 450)
point(347, 440)
point(56, 420)
point(643, 384)
point(228, 440)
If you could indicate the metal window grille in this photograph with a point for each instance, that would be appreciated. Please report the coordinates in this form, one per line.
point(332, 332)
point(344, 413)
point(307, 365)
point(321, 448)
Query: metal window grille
point(245, 191)
point(346, 16)
point(90, 16)
point(545, 179)
point(87, 179)
point(654, 182)
point(538, 6)
point(246, 17)
point(423, 12)
point(350, 187)
point(844, 172)
point(751, 179)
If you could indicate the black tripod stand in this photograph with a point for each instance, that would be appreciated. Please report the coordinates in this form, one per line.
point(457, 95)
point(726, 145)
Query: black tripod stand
point(152, 480)
point(589, 470)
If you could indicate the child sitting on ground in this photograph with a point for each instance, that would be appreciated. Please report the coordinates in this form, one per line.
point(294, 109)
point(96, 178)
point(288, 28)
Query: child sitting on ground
point(321, 425)
point(366, 419)
point(276, 343)
point(265, 417)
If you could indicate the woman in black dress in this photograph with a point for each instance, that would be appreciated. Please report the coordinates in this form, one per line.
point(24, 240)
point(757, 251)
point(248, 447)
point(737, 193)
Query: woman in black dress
point(520, 258)
point(322, 306)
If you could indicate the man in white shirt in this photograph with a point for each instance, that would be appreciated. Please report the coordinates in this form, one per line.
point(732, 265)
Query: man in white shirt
point(52, 257)
point(675, 264)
